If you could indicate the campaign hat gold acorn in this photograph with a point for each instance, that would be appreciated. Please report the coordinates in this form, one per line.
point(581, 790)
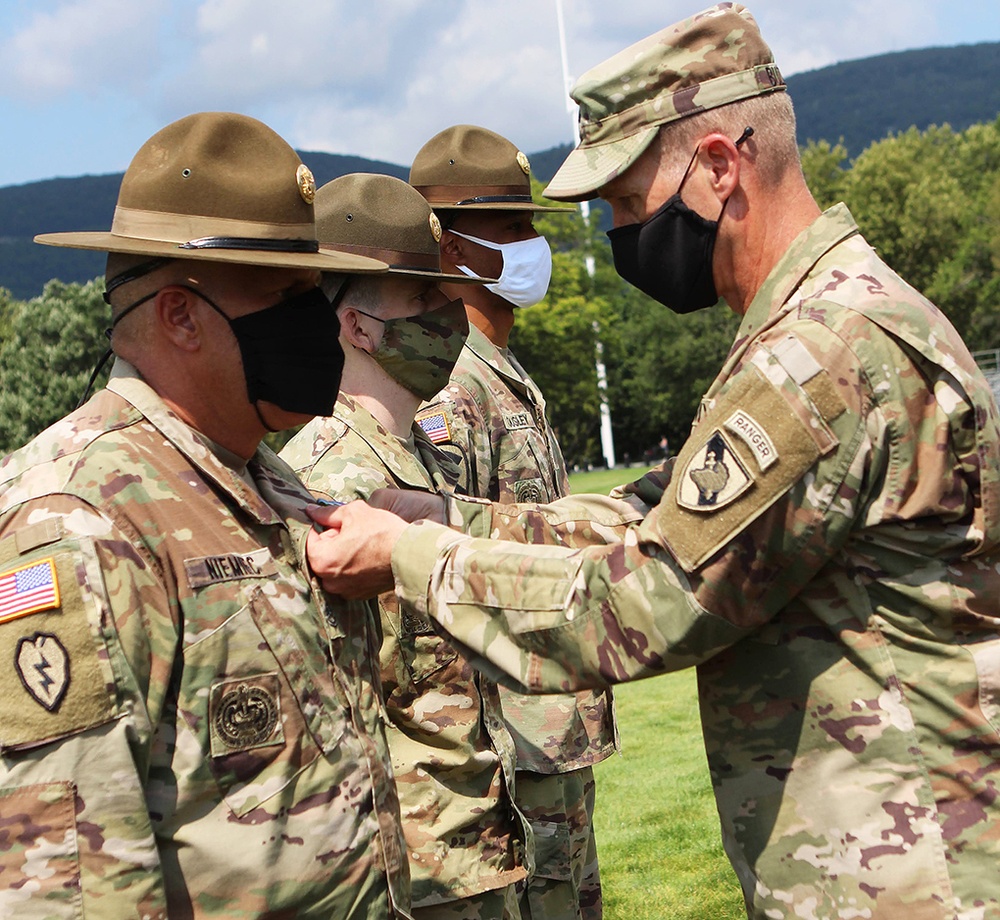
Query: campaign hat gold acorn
point(708, 60)
point(470, 168)
point(383, 218)
point(220, 187)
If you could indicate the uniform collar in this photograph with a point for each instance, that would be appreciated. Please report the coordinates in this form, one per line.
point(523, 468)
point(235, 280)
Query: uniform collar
point(127, 383)
point(770, 303)
point(390, 450)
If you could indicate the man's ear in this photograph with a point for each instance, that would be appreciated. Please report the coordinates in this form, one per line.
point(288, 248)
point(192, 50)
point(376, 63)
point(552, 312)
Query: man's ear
point(721, 155)
point(174, 307)
point(353, 331)
point(453, 248)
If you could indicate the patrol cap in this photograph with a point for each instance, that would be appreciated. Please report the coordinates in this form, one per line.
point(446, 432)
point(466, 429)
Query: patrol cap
point(705, 61)
point(220, 187)
point(469, 168)
point(383, 218)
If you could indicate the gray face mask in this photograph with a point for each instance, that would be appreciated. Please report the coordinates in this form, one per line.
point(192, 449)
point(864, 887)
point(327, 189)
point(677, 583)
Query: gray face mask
point(420, 352)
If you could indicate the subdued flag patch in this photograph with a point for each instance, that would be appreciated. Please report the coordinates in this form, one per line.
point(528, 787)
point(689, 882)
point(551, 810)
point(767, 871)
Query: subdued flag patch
point(435, 426)
point(28, 590)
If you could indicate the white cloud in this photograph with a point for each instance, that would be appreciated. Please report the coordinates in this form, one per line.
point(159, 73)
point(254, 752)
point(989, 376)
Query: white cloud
point(82, 46)
point(379, 79)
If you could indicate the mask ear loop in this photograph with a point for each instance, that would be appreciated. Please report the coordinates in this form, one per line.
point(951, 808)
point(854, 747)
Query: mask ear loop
point(742, 139)
point(131, 274)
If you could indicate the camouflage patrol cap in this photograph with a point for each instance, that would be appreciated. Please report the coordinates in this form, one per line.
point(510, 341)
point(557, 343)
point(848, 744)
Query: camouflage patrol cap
point(383, 218)
point(220, 187)
point(470, 168)
point(705, 61)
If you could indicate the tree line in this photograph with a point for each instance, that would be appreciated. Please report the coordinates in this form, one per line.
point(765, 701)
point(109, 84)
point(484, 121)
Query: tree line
point(929, 201)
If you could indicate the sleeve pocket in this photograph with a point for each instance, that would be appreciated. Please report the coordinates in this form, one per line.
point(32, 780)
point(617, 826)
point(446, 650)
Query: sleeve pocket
point(39, 859)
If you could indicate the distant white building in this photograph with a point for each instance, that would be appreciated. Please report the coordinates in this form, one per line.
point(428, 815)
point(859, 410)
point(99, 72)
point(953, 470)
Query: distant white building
point(989, 362)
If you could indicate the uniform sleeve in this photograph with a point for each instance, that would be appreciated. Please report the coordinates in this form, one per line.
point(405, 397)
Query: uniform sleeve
point(87, 634)
point(762, 495)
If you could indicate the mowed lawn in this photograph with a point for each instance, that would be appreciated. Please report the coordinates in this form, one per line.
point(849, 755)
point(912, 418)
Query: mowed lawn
point(657, 828)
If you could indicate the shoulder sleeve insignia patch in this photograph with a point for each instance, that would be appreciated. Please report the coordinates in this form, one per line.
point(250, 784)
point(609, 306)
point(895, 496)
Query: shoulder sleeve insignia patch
point(435, 426)
point(28, 589)
point(713, 477)
point(56, 677)
point(43, 666)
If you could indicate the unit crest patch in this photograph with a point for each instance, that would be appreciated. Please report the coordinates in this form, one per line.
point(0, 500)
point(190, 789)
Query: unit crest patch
point(713, 477)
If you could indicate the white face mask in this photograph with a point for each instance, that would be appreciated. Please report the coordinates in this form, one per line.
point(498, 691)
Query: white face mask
point(527, 268)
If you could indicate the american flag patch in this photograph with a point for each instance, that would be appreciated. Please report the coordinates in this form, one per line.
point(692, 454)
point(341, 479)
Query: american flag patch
point(29, 589)
point(435, 427)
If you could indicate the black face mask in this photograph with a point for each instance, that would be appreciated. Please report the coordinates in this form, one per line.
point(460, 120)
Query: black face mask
point(291, 353)
point(669, 255)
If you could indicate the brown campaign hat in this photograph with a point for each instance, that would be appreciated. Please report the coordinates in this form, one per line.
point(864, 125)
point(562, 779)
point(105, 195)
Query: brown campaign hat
point(383, 218)
point(705, 61)
point(465, 167)
point(220, 187)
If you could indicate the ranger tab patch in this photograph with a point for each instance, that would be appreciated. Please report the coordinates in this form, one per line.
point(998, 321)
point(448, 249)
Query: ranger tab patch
point(743, 425)
point(28, 589)
point(713, 477)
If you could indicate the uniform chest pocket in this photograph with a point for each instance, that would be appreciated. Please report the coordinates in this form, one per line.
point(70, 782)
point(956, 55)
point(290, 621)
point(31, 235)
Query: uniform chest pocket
point(259, 695)
point(424, 652)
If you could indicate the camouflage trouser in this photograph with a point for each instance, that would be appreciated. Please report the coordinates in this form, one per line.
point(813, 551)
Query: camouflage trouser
point(567, 882)
point(499, 904)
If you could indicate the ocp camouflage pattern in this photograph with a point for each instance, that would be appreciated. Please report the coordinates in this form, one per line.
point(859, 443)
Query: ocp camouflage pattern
point(452, 754)
point(503, 440)
point(219, 750)
point(508, 453)
point(827, 552)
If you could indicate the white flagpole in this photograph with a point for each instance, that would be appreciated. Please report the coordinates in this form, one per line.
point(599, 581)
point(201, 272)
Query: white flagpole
point(607, 438)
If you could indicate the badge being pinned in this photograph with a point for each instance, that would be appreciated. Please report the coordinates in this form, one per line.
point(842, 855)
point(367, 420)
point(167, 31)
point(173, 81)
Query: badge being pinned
point(713, 477)
point(28, 589)
point(43, 666)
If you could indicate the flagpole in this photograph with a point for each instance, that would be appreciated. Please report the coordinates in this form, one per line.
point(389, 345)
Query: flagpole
point(607, 438)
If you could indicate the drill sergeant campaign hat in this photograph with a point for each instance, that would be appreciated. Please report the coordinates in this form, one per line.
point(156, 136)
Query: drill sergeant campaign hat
point(220, 187)
point(469, 168)
point(383, 218)
point(705, 61)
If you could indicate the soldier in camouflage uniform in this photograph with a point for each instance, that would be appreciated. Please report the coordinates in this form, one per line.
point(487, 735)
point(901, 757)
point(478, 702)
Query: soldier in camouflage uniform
point(491, 417)
point(190, 726)
point(452, 755)
point(827, 551)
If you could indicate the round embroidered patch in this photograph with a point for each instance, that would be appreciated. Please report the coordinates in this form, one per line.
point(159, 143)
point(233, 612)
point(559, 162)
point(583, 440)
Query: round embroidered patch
point(246, 716)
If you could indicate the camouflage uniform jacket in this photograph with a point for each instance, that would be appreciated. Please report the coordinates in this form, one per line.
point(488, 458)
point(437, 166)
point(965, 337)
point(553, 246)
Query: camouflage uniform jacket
point(189, 725)
point(452, 754)
point(493, 416)
point(828, 553)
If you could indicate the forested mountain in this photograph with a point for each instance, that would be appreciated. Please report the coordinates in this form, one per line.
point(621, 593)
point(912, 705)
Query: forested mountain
point(858, 101)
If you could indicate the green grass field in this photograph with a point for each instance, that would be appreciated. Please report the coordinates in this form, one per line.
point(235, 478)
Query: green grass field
point(657, 828)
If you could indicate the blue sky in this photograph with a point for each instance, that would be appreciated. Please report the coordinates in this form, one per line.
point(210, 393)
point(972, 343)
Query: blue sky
point(83, 83)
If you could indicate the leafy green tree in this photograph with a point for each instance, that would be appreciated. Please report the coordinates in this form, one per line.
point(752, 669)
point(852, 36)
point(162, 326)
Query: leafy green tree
point(7, 307)
point(927, 201)
point(53, 343)
point(823, 166)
